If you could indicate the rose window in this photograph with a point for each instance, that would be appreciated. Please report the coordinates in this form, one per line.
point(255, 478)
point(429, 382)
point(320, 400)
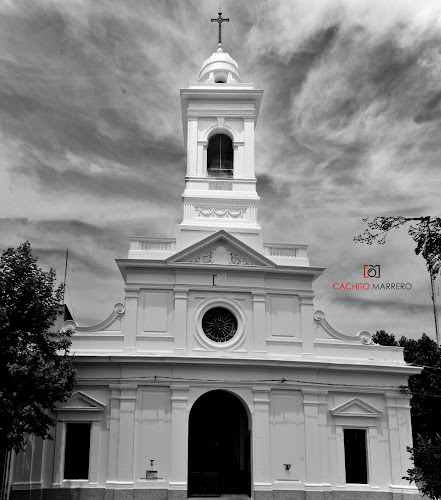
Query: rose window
point(219, 324)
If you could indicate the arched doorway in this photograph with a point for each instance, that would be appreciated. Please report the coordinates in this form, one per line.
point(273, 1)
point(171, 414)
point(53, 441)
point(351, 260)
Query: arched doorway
point(219, 442)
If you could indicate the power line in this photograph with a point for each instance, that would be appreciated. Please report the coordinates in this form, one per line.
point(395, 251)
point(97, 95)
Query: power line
point(239, 381)
point(158, 378)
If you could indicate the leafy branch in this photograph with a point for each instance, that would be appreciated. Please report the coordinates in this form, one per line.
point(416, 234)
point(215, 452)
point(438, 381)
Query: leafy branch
point(425, 231)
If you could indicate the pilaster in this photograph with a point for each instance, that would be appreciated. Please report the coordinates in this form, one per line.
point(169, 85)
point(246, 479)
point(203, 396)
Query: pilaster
point(130, 319)
point(201, 170)
point(374, 461)
point(261, 444)
point(307, 322)
point(400, 436)
point(47, 463)
point(181, 304)
point(238, 159)
point(340, 446)
point(249, 124)
point(179, 437)
point(316, 440)
point(127, 400)
point(95, 448)
point(112, 468)
point(192, 145)
point(259, 319)
point(60, 436)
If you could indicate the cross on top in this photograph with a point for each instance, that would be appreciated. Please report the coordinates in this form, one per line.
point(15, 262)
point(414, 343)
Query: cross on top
point(220, 20)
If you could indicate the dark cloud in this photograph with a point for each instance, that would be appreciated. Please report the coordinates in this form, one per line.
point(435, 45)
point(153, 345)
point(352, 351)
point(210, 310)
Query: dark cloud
point(288, 74)
point(91, 133)
point(342, 171)
point(269, 188)
point(92, 248)
point(150, 186)
point(431, 110)
point(63, 130)
point(77, 263)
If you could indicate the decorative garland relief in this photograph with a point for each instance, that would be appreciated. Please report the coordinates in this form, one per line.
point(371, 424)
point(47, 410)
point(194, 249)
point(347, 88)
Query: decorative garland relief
point(234, 213)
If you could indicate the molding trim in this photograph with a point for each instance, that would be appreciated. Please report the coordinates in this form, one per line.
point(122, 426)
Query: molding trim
point(357, 408)
point(362, 337)
point(70, 325)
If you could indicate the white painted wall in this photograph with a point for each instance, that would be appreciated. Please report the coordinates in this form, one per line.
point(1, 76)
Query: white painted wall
point(292, 423)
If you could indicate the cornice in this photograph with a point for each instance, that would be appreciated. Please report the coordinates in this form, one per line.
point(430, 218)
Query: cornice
point(222, 201)
point(291, 364)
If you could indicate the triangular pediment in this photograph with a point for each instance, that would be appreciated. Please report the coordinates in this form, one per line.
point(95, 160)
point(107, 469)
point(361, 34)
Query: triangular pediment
point(221, 249)
point(80, 401)
point(356, 407)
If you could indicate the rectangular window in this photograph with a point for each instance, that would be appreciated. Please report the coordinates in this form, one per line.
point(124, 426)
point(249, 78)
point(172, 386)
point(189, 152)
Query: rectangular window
point(355, 456)
point(76, 456)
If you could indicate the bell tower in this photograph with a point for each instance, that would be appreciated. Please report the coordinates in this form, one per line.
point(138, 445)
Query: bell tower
point(219, 115)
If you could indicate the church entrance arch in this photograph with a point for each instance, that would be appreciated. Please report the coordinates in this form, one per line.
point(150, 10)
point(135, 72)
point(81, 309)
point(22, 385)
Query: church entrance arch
point(219, 446)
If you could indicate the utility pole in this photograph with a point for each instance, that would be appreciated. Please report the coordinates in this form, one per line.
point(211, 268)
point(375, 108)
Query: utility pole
point(435, 311)
point(65, 274)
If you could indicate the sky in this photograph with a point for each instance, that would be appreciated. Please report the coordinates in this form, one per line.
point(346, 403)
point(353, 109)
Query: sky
point(92, 151)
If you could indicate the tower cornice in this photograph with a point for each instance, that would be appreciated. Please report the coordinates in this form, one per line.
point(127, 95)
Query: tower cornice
point(217, 97)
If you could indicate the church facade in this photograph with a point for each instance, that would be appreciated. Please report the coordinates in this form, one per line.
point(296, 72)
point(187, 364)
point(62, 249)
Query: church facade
point(217, 376)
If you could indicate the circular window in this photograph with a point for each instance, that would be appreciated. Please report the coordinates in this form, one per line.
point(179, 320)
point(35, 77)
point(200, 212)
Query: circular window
point(219, 324)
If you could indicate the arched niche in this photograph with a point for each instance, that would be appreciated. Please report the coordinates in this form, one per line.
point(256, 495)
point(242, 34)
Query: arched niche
point(220, 156)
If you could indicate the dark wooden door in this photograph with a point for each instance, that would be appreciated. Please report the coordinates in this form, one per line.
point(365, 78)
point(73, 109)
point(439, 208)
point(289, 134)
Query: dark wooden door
point(219, 446)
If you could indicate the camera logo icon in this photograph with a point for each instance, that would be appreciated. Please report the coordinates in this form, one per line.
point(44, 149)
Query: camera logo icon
point(371, 271)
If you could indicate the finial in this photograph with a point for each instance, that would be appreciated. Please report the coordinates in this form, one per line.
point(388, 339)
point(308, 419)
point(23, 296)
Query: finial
point(220, 20)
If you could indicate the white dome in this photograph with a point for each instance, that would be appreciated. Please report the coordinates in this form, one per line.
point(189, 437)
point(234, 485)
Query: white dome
point(220, 67)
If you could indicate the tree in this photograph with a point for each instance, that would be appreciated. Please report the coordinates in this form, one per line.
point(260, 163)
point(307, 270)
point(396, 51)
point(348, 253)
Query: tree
point(36, 370)
point(427, 454)
point(425, 402)
point(425, 231)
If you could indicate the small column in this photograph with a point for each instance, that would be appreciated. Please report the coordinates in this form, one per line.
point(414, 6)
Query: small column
point(323, 438)
point(130, 320)
point(238, 159)
point(259, 318)
point(340, 445)
point(316, 449)
point(261, 443)
point(192, 144)
point(400, 436)
point(60, 436)
point(374, 461)
point(202, 149)
point(179, 439)
point(308, 332)
point(95, 448)
point(47, 462)
point(126, 434)
point(181, 303)
point(204, 160)
point(249, 147)
point(112, 470)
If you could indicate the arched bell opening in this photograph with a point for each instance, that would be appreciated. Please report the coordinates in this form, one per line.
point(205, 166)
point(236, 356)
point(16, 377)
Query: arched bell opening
point(219, 446)
point(220, 156)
